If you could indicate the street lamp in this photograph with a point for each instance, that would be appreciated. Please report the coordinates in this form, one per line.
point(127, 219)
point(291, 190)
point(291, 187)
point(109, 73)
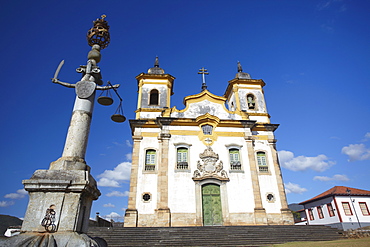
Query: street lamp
point(349, 194)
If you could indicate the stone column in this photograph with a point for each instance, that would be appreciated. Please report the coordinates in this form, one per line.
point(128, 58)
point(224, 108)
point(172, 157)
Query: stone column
point(287, 217)
point(259, 211)
point(73, 157)
point(131, 214)
point(225, 204)
point(198, 204)
point(163, 214)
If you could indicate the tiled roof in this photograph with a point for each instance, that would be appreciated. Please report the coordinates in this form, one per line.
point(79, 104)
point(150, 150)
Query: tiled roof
point(338, 191)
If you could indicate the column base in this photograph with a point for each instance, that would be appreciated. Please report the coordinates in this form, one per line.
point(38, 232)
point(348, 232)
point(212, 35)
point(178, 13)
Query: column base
point(260, 216)
point(163, 217)
point(69, 163)
point(130, 218)
point(53, 240)
point(287, 216)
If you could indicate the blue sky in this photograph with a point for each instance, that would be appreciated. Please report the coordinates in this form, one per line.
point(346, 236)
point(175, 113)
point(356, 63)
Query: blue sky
point(314, 56)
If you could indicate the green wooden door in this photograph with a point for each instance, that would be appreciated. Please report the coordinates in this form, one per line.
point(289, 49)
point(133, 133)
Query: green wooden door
point(211, 201)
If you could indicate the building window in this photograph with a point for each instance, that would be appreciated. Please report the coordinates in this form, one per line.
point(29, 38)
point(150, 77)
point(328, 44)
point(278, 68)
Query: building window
point(251, 101)
point(347, 208)
point(310, 214)
point(207, 129)
point(146, 197)
point(234, 159)
point(154, 97)
point(232, 108)
point(182, 158)
point(261, 161)
point(364, 208)
point(319, 212)
point(150, 160)
point(330, 209)
point(270, 197)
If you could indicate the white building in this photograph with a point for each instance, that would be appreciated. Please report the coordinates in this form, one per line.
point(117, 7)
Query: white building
point(212, 163)
point(340, 207)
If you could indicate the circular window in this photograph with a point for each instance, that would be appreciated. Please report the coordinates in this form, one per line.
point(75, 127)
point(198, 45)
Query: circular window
point(146, 197)
point(270, 197)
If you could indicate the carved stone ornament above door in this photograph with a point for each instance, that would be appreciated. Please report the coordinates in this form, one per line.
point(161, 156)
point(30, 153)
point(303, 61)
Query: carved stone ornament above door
point(209, 168)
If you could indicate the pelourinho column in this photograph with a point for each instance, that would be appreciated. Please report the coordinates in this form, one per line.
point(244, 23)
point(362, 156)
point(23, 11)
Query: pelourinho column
point(60, 198)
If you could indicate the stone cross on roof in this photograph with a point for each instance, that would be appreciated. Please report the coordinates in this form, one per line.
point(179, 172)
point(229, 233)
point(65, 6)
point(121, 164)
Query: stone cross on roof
point(204, 72)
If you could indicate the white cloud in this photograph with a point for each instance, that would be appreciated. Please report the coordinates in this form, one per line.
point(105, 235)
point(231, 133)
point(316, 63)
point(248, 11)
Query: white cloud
point(114, 216)
point(367, 137)
point(335, 4)
point(356, 152)
point(319, 163)
point(18, 195)
point(128, 143)
point(323, 5)
point(112, 178)
point(117, 193)
point(336, 177)
point(294, 188)
point(129, 156)
point(105, 182)
point(4, 204)
point(109, 205)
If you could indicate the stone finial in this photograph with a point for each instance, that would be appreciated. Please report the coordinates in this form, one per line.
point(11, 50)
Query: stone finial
point(241, 74)
point(240, 69)
point(156, 70)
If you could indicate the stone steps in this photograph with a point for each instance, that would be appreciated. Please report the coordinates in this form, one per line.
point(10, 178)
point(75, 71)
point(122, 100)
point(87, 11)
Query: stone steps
point(213, 235)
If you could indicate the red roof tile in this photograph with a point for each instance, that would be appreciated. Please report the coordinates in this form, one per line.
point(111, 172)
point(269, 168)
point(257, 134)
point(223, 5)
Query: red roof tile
point(338, 191)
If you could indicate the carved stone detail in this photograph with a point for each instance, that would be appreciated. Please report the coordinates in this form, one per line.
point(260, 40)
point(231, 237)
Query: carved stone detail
point(209, 168)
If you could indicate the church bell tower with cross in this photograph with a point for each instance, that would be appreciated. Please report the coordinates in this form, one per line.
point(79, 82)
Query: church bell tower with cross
point(212, 162)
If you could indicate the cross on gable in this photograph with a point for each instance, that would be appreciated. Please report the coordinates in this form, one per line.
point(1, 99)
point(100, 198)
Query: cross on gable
point(203, 72)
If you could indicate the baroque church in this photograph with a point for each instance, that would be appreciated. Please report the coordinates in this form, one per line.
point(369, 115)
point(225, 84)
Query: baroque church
point(214, 162)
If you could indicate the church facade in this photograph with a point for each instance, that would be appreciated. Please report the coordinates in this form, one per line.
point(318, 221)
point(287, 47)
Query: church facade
point(214, 162)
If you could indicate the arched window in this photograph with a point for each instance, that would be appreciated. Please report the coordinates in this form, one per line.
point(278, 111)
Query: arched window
point(261, 161)
point(154, 97)
point(234, 159)
point(150, 159)
point(251, 101)
point(182, 158)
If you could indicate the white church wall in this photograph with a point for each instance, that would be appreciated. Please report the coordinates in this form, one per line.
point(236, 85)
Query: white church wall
point(240, 200)
point(200, 108)
point(260, 101)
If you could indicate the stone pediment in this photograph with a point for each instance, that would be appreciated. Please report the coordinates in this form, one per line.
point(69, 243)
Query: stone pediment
point(209, 167)
point(203, 103)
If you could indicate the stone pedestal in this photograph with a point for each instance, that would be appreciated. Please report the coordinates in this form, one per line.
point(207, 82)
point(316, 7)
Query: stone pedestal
point(163, 217)
point(131, 218)
point(53, 240)
point(260, 216)
point(287, 216)
point(72, 193)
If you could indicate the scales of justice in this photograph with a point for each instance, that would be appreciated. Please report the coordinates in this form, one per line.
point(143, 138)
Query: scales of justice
point(66, 190)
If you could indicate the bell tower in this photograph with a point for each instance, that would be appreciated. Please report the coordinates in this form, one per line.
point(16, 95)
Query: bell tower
point(246, 94)
point(154, 92)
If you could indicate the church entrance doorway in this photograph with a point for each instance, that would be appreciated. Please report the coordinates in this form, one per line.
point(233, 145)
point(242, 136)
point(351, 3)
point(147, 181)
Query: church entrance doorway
point(211, 202)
